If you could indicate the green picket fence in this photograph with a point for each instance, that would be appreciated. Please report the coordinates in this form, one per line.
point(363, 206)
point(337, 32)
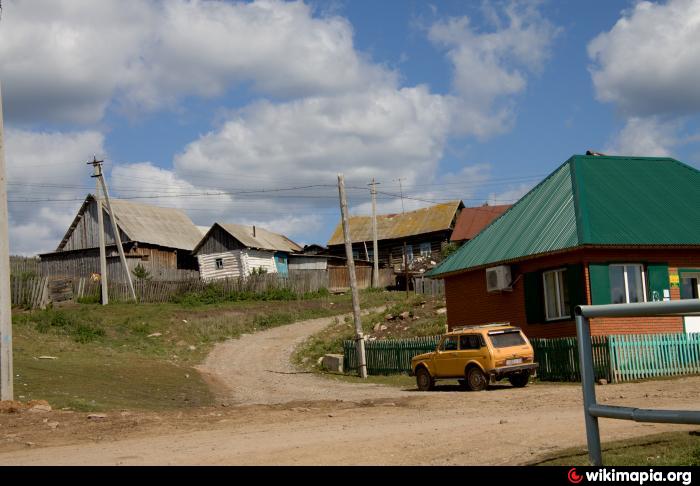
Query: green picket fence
point(635, 357)
point(558, 358)
point(388, 356)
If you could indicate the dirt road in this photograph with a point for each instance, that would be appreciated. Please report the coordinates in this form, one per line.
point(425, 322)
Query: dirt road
point(284, 418)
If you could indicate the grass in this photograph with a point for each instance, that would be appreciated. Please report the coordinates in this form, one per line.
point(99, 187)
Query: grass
point(142, 356)
point(667, 449)
point(422, 320)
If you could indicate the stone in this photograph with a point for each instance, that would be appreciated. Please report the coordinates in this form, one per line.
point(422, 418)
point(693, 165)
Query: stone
point(155, 334)
point(383, 327)
point(602, 381)
point(96, 416)
point(389, 317)
point(191, 347)
point(503, 421)
point(333, 362)
point(52, 425)
point(319, 361)
point(441, 310)
point(376, 327)
point(405, 315)
point(40, 408)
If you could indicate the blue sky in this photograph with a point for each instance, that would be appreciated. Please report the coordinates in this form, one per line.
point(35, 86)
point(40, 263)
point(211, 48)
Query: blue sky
point(193, 102)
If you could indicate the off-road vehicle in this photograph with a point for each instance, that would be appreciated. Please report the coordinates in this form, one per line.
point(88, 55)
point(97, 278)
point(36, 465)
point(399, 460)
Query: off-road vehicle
point(477, 356)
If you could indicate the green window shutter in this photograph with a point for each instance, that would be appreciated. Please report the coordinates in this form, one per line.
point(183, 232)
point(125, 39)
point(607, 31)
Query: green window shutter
point(576, 282)
point(658, 280)
point(534, 298)
point(600, 283)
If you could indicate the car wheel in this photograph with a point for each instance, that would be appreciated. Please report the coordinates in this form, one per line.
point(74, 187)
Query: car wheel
point(462, 383)
point(519, 379)
point(476, 379)
point(424, 381)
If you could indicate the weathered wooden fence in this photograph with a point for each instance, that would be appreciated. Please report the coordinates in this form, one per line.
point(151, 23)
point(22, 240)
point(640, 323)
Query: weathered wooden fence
point(558, 358)
point(24, 266)
point(28, 292)
point(339, 277)
point(635, 357)
point(429, 286)
point(388, 356)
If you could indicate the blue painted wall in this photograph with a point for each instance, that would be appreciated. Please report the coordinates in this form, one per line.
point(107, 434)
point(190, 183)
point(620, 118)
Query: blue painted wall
point(282, 262)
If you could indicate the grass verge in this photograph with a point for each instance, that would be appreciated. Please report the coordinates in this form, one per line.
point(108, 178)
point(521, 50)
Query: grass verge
point(94, 358)
point(667, 449)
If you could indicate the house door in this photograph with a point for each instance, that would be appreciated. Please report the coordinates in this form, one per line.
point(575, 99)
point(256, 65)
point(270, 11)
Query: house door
point(690, 289)
point(281, 263)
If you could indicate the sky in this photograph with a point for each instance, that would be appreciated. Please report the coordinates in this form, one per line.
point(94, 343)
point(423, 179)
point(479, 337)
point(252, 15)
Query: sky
point(246, 112)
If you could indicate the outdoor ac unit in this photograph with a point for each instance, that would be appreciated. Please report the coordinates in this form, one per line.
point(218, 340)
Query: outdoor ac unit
point(498, 279)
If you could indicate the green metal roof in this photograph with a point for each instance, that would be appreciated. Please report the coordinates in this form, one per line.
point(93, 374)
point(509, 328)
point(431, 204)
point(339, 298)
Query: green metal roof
point(592, 200)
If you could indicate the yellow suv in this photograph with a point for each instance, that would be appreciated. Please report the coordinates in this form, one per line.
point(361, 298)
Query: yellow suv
point(477, 356)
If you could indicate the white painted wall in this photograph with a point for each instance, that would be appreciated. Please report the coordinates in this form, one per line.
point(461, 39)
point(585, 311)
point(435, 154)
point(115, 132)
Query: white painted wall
point(237, 263)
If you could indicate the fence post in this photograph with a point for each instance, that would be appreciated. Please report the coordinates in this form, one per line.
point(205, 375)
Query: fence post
point(583, 331)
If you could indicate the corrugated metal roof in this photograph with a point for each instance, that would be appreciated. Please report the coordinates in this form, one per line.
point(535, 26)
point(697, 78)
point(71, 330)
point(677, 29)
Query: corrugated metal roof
point(592, 200)
point(471, 221)
point(392, 226)
point(168, 227)
point(263, 239)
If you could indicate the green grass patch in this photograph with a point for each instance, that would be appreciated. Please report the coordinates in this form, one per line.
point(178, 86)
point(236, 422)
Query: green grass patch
point(143, 356)
point(667, 449)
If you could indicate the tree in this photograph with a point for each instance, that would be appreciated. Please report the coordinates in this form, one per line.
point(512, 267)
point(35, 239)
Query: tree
point(141, 273)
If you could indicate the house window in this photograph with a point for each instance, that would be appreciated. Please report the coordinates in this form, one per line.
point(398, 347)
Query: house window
point(355, 254)
point(219, 263)
point(281, 259)
point(627, 284)
point(556, 295)
point(425, 249)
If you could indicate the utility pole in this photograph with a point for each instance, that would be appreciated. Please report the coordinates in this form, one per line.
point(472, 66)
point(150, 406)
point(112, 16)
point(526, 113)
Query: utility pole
point(6, 369)
point(359, 338)
point(375, 244)
point(115, 229)
point(104, 297)
point(405, 249)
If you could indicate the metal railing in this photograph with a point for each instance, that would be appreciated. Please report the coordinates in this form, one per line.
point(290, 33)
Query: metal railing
point(592, 409)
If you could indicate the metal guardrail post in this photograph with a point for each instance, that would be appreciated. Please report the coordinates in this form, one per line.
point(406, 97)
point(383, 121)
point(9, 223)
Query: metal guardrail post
point(585, 352)
point(591, 409)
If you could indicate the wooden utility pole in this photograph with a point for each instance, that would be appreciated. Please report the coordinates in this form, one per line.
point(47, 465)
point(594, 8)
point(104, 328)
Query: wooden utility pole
point(115, 228)
point(375, 244)
point(359, 338)
point(104, 297)
point(6, 369)
point(405, 249)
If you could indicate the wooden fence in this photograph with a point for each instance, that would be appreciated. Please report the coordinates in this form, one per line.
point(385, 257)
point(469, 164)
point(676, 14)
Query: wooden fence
point(24, 266)
point(429, 286)
point(388, 356)
point(558, 358)
point(29, 292)
point(635, 357)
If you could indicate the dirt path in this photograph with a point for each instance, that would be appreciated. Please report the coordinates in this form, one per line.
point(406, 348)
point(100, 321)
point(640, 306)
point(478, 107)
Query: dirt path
point(305, 419)
point(256, 369)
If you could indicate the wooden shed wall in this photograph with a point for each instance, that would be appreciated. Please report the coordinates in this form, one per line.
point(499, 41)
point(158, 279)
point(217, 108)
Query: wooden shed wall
point(86, 233)
point(307, 263)
point(219, 241)
point(237, 263)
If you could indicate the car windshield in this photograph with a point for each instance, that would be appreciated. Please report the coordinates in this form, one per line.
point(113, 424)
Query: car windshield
point(507, 339)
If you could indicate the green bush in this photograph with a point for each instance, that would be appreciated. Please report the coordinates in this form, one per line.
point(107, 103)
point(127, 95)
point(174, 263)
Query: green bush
point(61, 323)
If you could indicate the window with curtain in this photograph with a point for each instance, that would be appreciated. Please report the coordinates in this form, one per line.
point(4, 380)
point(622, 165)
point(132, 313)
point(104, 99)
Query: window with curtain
point(627, 283)
point(556, 295)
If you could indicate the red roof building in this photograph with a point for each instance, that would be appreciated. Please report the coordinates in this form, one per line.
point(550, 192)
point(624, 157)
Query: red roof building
point(471, 221)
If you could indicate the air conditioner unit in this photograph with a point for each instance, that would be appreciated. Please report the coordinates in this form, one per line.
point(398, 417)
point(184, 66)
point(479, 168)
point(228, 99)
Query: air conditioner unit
point(498, 279)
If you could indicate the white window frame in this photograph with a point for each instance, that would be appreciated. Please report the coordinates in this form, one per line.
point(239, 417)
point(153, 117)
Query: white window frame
point(409, 253)
point(627, 286)
point(559, 283)
point(428, 249)
point(216, 263)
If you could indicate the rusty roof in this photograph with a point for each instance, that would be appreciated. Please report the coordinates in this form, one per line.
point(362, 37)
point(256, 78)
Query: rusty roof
point(471, 221)
point(392, 226)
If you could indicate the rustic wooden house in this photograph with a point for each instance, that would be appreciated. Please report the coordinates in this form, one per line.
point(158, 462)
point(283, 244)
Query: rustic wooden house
point(161, 240)
point(234, 250)
point(424, 231)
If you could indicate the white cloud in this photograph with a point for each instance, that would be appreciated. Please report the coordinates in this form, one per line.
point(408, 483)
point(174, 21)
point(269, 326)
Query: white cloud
point(490, 67)
point(647, 64)
point(46, 166)
point(510, 195)
point(645, 136)
point(68, 59)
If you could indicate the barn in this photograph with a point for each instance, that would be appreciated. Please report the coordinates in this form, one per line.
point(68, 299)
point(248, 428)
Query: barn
point(159, 239)
point(234, 250)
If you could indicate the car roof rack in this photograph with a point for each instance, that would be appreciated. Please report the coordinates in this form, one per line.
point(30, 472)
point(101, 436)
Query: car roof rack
point(480, 326)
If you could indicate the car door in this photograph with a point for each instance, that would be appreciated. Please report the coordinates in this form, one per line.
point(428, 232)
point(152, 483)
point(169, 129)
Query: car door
point(470, 349)
point(447, 357)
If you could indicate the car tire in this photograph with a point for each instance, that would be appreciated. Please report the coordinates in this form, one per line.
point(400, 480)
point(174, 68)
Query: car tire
point(476, 379)
point(424, 381)
point(519, 380)
point(462, 383)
